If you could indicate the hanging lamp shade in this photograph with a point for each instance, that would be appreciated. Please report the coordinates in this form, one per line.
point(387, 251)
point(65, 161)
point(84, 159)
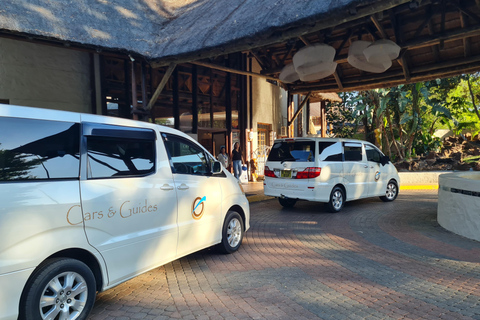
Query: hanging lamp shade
point(356, 58)
point(325, 70)
point(288, 74)
point(315, 62)
point(382, 50)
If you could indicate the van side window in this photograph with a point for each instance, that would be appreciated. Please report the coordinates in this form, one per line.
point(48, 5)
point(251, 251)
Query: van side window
point(372, 154)
point(330, 151)
point(38, 149)
point(185, 156)
point(110, 157)
point(352, 151)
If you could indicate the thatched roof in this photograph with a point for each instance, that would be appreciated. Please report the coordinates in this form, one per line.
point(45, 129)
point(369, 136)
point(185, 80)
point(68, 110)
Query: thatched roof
point(319, 96)
point(158, 29)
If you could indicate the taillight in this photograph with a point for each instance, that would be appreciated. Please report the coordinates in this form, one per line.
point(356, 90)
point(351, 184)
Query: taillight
point(309, 173)
point(269, 173)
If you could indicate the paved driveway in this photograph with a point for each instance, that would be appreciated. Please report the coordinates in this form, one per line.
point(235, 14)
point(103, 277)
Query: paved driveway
point(373, 260)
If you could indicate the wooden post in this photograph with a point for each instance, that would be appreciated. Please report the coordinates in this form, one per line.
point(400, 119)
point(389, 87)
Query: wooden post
point(176, 103)
point(323, 118)
point(134, 92)
point(161, 85)
point(194, 99)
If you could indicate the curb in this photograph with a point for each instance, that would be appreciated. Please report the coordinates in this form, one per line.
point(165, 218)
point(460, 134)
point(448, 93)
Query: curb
point(257, 198)
point(420, 187)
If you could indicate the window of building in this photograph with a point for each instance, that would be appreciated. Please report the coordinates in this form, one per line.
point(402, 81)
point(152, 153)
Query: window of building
point(264, 131)
point(38, 149)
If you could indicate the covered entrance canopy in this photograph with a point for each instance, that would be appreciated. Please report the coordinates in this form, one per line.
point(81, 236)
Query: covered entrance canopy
point(436, 38)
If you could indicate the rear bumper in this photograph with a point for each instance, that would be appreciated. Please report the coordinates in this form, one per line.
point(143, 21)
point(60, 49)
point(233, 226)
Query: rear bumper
point(289, 188)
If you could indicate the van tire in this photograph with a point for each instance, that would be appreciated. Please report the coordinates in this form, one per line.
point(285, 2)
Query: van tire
point(287, 202)
point(54, 271)
point(391, 193)
point(232, 233)
point(337, 200)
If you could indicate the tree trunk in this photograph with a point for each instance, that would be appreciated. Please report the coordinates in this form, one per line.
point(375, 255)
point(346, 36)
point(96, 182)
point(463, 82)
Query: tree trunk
point(416, 114)
point(473, 98)
point(394, 141)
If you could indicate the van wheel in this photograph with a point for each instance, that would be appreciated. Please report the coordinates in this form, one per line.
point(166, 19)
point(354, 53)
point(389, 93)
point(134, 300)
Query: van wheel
point(391, 193)
point(232, 233)
point(337, 199)
point(286, 202)
point(61, 289)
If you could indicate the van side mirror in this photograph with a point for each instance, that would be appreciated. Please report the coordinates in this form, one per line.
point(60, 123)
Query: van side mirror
point(384, 160)
point(215, 167)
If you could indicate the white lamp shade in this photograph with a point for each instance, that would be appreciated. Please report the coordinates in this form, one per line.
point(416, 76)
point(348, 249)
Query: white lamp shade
point(288, 74)
point(382, 50)
point(356, 58)
point(311, 56)
point(320, 71)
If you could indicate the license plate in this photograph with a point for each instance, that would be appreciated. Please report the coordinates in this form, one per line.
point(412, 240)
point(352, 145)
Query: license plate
point(286, 174)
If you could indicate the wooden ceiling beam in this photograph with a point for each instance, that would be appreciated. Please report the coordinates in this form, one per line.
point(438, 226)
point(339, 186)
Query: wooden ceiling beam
point(231, 70)
point(379, 27)
point(435, 47)
point(466, 41)
point(425, 22)
point(259, 60)
point(465, 11)
point(404, 63)
point(161, 85)
point(442, 23)
point(372, 32)
point(427, 41)
point(396, 28)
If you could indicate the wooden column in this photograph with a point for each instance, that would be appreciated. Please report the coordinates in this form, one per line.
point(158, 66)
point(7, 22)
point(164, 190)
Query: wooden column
point(323, 119)
point(134, 92)
point(143, 69)
point(194, 99)
point(176, 106)
point(211, 97)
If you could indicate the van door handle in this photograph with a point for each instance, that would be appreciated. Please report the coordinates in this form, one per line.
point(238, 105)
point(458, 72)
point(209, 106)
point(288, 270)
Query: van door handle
point(166, 187)
point(183, 186)
point(365, 166)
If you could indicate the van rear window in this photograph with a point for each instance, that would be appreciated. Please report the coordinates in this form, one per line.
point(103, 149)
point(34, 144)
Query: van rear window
point(302, 151)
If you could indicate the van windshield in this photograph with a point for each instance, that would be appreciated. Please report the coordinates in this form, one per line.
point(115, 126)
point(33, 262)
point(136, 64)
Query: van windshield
point(302, 151)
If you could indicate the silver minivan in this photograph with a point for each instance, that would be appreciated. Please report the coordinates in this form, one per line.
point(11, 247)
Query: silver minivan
point(329, 170)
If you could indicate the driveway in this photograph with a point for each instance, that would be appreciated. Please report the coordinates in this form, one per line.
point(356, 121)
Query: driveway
point(373, 260)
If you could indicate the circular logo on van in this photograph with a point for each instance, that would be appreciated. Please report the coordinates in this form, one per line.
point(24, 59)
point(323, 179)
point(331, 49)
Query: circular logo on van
point(197, 207)
point(377, 175)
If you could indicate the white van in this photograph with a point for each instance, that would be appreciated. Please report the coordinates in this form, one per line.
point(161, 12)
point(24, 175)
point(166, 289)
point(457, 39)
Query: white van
point(328, 170)
point(88, 202)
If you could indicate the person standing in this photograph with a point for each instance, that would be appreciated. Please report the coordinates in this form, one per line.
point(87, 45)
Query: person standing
point(223, 157)
point(237, 159)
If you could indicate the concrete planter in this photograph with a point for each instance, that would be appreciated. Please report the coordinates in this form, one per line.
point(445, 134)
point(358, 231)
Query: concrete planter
point(459, 203)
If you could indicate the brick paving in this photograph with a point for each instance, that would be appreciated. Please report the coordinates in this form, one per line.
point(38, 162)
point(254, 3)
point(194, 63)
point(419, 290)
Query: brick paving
point(373, 260)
